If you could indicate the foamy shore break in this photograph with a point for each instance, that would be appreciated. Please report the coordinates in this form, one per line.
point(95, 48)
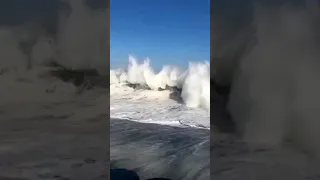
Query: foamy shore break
point(193, 84)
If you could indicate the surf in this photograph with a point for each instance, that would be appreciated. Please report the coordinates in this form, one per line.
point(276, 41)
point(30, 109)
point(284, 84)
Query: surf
point(191, 85)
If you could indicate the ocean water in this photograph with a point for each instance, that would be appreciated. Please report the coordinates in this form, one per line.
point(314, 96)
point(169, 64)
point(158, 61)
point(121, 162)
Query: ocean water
point(160, 122)
point(156, 150)
point(171, 97)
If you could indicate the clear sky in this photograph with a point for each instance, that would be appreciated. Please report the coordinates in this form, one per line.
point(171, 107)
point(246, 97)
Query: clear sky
point(169, 32)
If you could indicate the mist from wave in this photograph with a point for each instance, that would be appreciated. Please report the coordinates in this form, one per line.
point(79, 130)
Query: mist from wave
point(192, 84)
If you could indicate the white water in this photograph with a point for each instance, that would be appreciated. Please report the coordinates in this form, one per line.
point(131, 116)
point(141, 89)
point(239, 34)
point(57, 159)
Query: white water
point(154, 106)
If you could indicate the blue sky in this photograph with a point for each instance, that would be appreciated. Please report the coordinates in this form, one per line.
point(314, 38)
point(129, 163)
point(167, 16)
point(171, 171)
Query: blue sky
point(167, 31)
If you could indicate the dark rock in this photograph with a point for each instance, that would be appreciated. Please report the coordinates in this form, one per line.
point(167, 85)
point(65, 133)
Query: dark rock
point(138, 86)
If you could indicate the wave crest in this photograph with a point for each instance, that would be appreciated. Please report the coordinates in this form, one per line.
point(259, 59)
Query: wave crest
point(194, 83)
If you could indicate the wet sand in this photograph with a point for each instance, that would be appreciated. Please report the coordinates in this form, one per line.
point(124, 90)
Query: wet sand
point(154, 150)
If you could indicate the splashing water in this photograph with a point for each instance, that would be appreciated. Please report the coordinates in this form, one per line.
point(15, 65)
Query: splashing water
point(194, 83)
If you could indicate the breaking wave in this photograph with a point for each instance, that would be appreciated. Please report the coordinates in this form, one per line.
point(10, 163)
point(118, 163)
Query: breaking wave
point(192, 85)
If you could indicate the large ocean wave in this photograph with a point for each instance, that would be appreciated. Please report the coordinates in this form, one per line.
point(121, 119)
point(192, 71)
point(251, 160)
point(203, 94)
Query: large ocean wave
point(192, 85)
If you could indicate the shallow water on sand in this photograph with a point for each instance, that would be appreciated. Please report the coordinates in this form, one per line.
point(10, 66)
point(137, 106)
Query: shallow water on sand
point(154, 150)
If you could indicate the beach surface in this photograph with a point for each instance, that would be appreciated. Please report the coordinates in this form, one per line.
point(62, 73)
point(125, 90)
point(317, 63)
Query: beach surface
point(154, 150)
